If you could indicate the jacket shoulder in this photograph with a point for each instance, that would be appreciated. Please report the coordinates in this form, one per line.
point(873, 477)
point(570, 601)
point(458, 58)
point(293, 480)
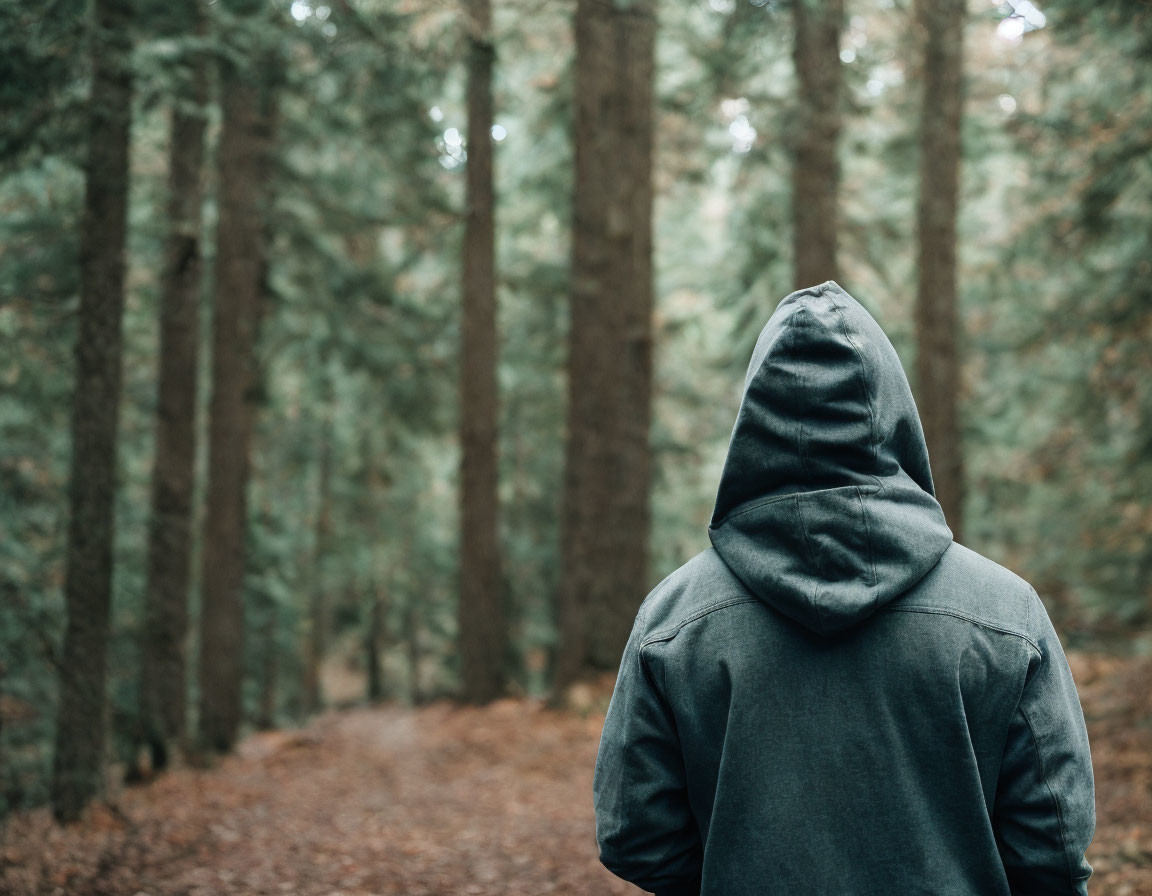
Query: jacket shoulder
point(702, 585)
point(971, 586)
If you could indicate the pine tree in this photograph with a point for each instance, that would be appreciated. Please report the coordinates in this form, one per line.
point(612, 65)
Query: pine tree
point(95, 416)
point(162, 645)
point(940, 25)
point(316, 644)
point(244, 161)
point(481, 615)
point(816, 141)
point(605, 525)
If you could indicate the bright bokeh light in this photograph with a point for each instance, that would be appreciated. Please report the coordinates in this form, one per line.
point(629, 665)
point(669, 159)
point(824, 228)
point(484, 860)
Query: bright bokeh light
point(1011, 29)
point(301, 10)
point(848, 55)
point(451, 146)
point(742, 133)
point(1007, 103)
point(450, 143)
point(875, 87)
point(499, 132)
point(722, 6)
point(322, 12)
point(1021, 16)
point(740, 130)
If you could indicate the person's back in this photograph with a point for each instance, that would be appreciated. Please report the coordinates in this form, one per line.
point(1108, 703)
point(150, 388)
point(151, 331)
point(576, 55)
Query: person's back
point(836, 698)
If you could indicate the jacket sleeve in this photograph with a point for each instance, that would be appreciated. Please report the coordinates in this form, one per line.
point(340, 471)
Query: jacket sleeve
point(644, 825)
point(1045, 811)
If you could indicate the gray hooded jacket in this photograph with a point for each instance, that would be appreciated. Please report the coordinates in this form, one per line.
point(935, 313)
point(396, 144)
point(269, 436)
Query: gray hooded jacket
point(837, 698)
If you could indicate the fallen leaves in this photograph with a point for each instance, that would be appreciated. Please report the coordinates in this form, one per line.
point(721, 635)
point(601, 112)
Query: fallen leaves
point(450, 800)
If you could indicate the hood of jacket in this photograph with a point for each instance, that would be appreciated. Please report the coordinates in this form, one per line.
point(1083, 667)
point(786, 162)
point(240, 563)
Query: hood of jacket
point(826, 509)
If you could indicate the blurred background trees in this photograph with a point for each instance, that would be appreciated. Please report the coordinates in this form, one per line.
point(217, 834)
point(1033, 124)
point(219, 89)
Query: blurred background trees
point(607, 463)
point(339, 337)
point(95, 415)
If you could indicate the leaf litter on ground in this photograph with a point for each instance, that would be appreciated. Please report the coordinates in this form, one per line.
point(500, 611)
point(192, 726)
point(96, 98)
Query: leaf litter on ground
point(444, 799)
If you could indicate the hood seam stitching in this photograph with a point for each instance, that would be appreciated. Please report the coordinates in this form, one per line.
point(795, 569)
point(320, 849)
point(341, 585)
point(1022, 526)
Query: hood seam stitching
point(667, 634)
point(800, 314)
point(873, 440)
point(863, 374)
point(804, 315)
point(749, 506)
point(965, 617)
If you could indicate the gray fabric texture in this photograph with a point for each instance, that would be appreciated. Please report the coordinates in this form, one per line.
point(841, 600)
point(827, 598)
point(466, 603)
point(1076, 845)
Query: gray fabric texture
point(836, 697)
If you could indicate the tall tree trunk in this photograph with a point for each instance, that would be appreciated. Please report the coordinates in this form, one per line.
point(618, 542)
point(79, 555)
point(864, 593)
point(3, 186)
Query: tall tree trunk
point(375, 636)
point(412, 651)
point(605, 521)
point(79, 743)
point(815, 146)
point(616, 608)
point(162, 645)
point(244, 160)
point(481, 618)
point(940, 26)
point(317, 642)
point(269, 668)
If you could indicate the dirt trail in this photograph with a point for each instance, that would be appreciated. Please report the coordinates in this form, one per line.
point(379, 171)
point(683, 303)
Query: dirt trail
point(440, 800)
point(446, 800)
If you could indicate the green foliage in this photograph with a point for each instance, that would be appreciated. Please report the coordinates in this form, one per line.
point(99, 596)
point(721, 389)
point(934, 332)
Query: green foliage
point(1091, 201)
point(38, 282)
point(42, 82)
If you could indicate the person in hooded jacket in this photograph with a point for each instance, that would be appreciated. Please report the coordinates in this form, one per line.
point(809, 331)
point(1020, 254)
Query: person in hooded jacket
point(837, 698)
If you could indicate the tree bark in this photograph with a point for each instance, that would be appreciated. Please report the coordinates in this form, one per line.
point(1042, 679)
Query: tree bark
point(413, 652)
point(940, 26)
point(605, 521)
point(162, 647)
point(244, 160)
point(317, 642)
point(79, 745)
point(815, 146)
point(375, 637)
point(636, 47)
point(269, 669)
point(481, 617)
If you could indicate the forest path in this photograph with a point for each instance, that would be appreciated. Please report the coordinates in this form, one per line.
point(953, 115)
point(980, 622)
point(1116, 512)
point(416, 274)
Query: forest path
point(439, 800)
point(454, 800)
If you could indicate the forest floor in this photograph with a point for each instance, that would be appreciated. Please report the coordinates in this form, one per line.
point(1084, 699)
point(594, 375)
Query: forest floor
point(454, 800)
